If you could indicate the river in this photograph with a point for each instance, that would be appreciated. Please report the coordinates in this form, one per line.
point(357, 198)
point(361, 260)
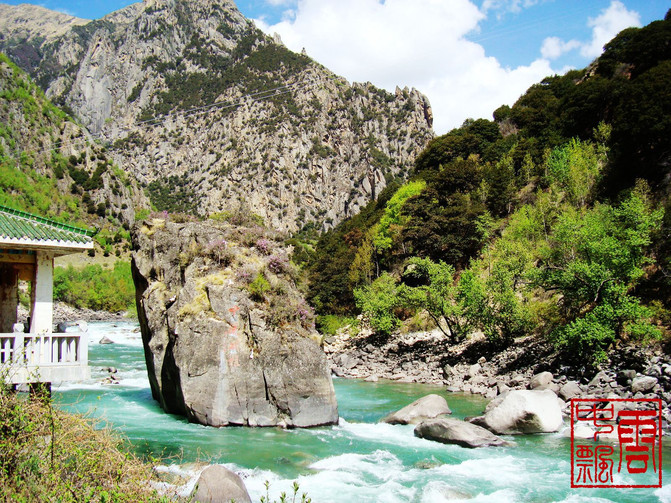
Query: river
point(356, 461)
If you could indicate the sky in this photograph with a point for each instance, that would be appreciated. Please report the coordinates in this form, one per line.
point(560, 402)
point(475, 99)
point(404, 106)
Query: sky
point(467, 56)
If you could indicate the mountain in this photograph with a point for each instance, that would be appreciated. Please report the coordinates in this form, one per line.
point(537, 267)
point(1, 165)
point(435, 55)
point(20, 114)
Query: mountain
point(554, 219)
point(49, 165)
point(27, 28)
point(288, 139)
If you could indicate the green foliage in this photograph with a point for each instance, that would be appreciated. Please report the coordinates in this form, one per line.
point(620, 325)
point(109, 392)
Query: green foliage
point(48, 455)
point(392, 219)
point(259, 288)
point(575, 168)
point(173, 194)
point(330, 290)
point(431, 286)
point(95, 287)
point(377, 302)
point(329, 324)
point(443, 220)
point(592, 259)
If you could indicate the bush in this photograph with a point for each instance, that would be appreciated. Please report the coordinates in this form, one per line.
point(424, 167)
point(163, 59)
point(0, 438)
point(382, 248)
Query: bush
point(259, 287)
point(96, 288)
point(49, 455)
point(377, 301)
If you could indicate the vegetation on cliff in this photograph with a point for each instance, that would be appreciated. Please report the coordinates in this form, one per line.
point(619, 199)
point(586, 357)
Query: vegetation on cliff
point(548, 220)
point(49, 167)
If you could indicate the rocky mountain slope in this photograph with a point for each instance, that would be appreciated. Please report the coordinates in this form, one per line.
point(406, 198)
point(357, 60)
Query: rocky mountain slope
point(49, 165)
point(289, 140)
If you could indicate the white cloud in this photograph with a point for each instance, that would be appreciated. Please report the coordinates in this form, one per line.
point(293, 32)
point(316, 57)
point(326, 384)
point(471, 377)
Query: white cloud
point(554, 47)
point(276, 3)
point(415, 43)
point(507, 5)
point(608, 24)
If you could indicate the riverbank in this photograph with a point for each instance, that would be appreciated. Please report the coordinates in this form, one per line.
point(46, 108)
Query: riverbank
point(359, 460)
point(476, 366)
point(64, 313)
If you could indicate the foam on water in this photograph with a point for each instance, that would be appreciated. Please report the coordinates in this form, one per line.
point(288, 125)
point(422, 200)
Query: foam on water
point(360, 460)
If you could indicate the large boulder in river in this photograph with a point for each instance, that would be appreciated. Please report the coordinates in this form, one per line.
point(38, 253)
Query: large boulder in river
point(218, 484)
point(454, 431)
point(228, 339)
point(523, 411)
point(427, 407)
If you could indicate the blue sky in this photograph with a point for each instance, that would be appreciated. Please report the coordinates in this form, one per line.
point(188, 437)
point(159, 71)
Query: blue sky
point(468, 56)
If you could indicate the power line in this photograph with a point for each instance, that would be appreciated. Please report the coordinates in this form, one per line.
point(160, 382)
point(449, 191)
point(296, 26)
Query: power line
point(200, 110)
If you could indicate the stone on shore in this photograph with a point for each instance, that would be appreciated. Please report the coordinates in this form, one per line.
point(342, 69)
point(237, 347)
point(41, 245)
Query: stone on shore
point(541, 381)
point(454, 431)
point(643, 384)
point(218, 484)
point(521, 412)
point(428, 407)
point(570, 390)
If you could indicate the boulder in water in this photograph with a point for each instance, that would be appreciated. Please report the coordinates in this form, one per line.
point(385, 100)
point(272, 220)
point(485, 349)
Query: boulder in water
point(522, 411)
point(218, 484)
point(228, 339)
point(105, 340)
point(454, 431)
point(427, 407)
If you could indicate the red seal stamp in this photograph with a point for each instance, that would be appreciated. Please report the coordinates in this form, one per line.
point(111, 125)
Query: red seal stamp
point(612, 436)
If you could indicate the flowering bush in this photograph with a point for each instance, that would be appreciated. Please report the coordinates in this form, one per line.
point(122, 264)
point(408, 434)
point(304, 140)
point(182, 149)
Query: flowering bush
point(263, 246)
point(278, 263)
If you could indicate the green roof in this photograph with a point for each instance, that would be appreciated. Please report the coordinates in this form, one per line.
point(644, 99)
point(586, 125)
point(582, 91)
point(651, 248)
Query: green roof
point(18, 226)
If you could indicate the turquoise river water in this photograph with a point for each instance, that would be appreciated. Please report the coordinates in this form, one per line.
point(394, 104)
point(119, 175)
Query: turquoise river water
point(357, 461)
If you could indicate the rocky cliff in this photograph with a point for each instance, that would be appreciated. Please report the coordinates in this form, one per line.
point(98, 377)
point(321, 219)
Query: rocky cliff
point(228, 339)
point(51, 166)
point(293, 141)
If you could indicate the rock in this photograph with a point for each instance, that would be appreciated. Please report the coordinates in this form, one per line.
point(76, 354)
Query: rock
point(372, 378)
point(448, 371)
point(570, 390)
point(428, 407)
point(474, 369)
point(502, 388)
point(643, 384)
point(523, 411)
point(218, 354)
point(454, 431)
point(482, 360)
point(624, 377)
point(599, 380)
point(348, 362)
point(111, 370)
point(541, 381)
point(218, 484)
point(105, 340)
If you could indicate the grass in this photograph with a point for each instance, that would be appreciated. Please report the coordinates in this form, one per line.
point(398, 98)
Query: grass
point(50, 455)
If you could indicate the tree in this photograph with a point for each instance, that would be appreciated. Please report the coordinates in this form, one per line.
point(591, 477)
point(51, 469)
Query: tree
point(444, 219)
point(377, 302)
point(435, 292)
point(593, 259)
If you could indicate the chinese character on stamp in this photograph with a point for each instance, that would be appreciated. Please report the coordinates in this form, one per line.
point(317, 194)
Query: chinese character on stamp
point(634, 427)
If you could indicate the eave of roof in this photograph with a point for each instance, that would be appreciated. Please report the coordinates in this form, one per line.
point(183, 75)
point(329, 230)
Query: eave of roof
point(24, 230)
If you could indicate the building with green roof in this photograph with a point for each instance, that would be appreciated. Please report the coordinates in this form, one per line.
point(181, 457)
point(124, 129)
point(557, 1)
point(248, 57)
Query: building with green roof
point(30, 351)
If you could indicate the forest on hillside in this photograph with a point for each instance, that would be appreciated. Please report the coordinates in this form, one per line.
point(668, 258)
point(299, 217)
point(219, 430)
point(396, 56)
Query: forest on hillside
point(553, 219)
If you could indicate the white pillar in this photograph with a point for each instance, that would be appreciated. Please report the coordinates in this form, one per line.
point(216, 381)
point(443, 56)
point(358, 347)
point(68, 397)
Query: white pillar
point(43, 295)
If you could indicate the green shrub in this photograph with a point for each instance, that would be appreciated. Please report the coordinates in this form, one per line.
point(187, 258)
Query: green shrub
point(259, 287)
point(49, 455)
point(94, 287)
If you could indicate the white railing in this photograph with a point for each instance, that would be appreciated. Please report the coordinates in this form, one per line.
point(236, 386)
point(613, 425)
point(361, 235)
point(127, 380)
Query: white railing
point(44, 357)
